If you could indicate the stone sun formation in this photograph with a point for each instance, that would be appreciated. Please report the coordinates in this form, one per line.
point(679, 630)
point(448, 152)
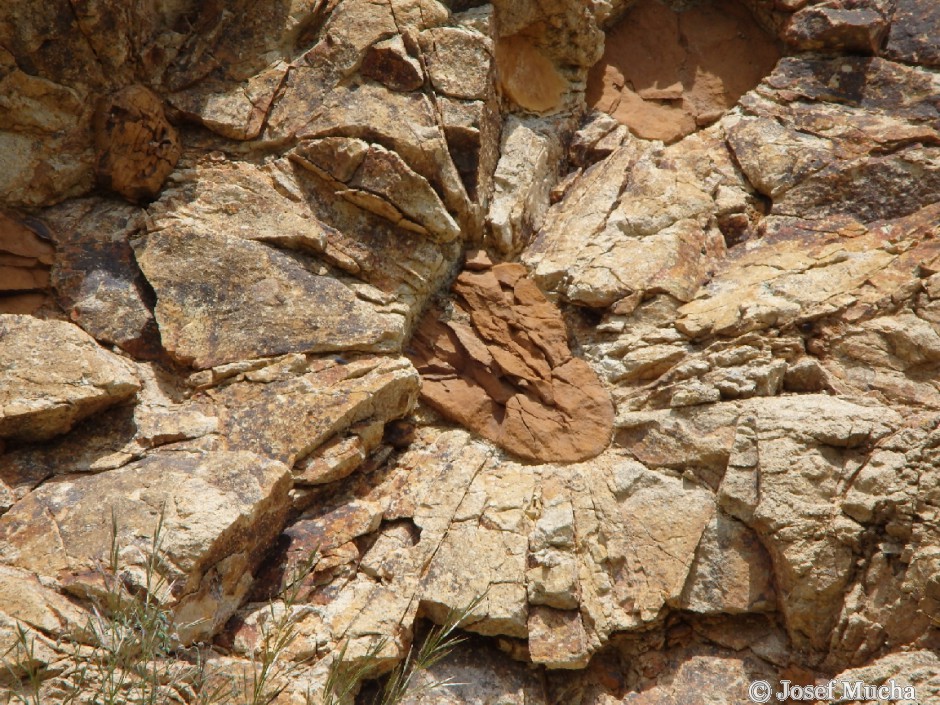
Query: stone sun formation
point(617, 322)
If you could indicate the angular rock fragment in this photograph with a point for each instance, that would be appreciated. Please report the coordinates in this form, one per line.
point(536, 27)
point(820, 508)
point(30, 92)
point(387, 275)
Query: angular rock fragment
point(389, 63)
point(96, 279)
point(26, 255)
point(288, 419)
point(527, 168)
point(557, 639)
point(650, 215)
point(52, 375)
point(915, 25)
point(806, 273)
point(732, 572)
point(841, 26)
point(460, 62)
point(221, 299)
point(220, 513)
point(500, 365)
point(237, 111)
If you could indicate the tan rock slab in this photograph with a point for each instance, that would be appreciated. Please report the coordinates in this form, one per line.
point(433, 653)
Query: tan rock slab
point(288, 419)
point(221, 299)
point(52, 374)
point(221, 511)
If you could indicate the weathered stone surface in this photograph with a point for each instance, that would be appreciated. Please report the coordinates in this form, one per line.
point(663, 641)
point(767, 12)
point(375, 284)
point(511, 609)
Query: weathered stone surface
point(460, 62)
point(760, 301)
point(527, 167)
point(26, 254)
point(640, 221)
point(806, 273)
point(731, 573)
point(52, 375)
point(917, 669)
point(849, 27)
point(63, 528)
point(325, 400)
point(480, 675)
point(527, 76)
point(913, 26)
point(212, 290)
point(136, 147)
point(96, 279)
point(388, 61)
point(665, 73)
point(501, 366)
point(695, 674)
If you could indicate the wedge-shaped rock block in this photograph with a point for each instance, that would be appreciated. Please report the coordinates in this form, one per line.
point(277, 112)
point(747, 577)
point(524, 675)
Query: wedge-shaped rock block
point(221, 512)
point(501, 366)
point(325, 403)
point(52, 374)
point(222, 299)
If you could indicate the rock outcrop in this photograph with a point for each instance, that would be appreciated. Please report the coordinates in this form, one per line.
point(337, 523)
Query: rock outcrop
point(613, 327)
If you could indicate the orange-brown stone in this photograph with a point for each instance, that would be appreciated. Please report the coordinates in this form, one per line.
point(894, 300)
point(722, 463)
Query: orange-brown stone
point(527, 76)
point(500, 365)
point(665, 74)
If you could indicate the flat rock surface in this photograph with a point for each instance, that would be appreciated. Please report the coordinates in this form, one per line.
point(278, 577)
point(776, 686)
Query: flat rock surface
point(666, 74)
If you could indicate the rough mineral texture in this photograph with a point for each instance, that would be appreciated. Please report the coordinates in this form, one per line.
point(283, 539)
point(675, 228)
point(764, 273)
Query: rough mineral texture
point(610, 330)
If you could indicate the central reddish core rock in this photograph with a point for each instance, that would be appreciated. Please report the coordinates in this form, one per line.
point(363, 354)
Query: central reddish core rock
point(498, 363)
point(665, 74)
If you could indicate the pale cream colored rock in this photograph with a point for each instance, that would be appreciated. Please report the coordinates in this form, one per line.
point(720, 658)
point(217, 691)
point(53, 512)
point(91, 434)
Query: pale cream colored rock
point(640, 220)
point(460, 62)
point(52, 374)
point(525, 173)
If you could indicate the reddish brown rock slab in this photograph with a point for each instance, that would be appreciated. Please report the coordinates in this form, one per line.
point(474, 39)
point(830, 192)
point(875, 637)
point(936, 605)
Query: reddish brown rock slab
point(915, 33)
point(137, 147)
point(557, 638)
point(527, 76)
point(25, 257)
point(500, 365)
point(665, 74)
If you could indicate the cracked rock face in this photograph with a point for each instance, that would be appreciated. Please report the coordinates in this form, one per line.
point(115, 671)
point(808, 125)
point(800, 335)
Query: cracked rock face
point(647, 387)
